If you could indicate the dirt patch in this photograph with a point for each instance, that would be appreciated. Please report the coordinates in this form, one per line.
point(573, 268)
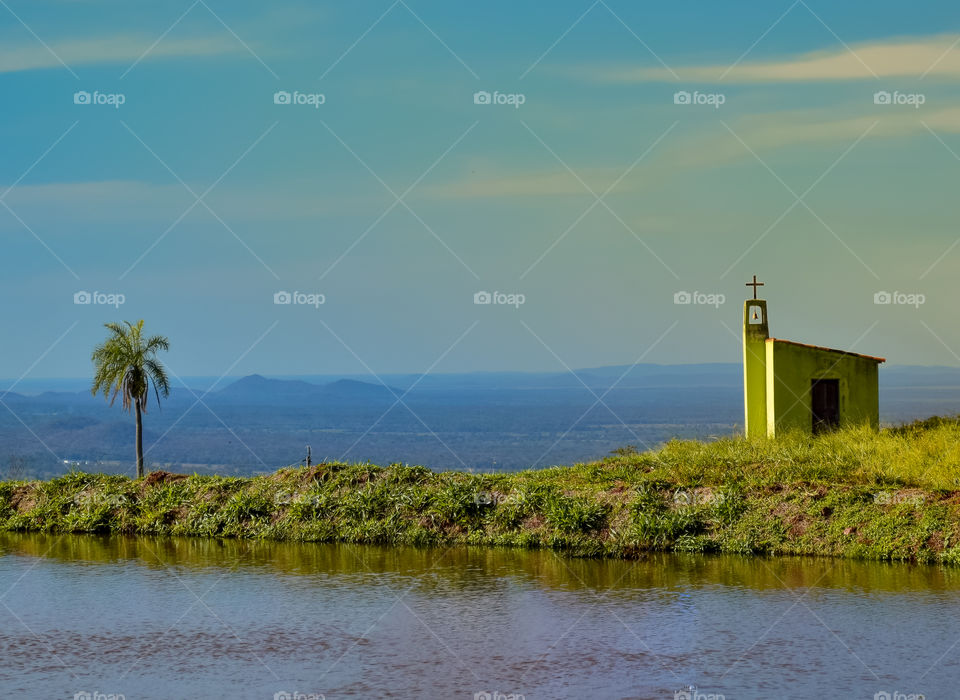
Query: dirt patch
point(618, 487)
point(161, 477)
point(797, 525)
point(936, 542)
point(950, 498)
point(23, 498)
point(534, 522)
point(794, 519)
point(783, 509)
point(318, 472)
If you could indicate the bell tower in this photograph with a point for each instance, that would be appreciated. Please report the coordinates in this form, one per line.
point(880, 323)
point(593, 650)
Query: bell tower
point(755, 334)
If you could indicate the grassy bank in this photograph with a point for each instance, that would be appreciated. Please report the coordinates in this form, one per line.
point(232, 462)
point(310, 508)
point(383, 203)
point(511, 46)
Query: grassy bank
point(854, 493)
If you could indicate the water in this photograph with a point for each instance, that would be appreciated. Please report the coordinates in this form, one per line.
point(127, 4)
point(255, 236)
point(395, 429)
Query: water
point(185, 618)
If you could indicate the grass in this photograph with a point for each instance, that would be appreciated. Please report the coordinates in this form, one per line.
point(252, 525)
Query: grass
point(893, 494)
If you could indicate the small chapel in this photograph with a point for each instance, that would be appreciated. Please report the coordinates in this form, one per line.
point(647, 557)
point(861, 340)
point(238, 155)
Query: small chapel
point(789, 385)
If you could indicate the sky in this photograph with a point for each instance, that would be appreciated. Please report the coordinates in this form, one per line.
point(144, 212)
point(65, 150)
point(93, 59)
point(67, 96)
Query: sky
point(384, 166)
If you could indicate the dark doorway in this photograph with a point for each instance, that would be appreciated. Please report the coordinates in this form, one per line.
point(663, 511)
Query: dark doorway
point(825, 404)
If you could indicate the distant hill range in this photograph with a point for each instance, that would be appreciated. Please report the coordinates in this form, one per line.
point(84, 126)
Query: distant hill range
point(258, 390)
point(254, 389)
point(478, 420)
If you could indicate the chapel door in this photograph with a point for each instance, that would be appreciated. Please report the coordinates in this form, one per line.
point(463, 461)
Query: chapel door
point(825, 404)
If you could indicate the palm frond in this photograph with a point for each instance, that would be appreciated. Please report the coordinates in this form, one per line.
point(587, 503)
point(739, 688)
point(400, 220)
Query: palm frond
point(125, 365)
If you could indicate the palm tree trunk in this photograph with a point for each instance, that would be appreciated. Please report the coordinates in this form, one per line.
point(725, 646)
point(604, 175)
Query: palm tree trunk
point(139, 442)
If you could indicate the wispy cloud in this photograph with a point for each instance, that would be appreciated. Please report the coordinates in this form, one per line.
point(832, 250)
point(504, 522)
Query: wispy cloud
point(774, 131)
point(711, 147)
point(121, 49)
point(130, 201)
point(937, 55)
point(499, 183)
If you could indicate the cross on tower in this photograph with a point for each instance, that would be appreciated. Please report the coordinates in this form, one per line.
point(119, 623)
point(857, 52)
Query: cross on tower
point(754, 284)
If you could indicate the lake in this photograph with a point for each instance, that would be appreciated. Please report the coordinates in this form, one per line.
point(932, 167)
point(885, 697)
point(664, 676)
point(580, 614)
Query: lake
point(191, 618)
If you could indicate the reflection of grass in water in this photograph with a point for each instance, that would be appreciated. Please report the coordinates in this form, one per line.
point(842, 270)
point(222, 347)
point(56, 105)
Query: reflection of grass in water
point(857, 493)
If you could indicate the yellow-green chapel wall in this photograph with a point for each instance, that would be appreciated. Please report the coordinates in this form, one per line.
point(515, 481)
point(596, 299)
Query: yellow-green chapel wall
point(789, 371)
point(754, 371)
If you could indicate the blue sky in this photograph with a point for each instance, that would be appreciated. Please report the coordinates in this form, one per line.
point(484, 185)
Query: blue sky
point(598, 199)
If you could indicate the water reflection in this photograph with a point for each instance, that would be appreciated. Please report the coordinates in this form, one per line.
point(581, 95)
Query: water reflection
point(461, 568)
point(196, 617)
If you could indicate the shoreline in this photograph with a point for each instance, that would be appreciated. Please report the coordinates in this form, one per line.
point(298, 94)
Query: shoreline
point(621, 507)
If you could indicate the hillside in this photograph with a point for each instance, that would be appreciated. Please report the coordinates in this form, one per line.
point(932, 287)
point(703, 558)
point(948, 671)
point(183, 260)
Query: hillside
point(855, 493)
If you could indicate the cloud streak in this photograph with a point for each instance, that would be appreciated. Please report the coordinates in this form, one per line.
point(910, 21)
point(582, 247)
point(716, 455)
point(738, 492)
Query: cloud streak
point(118, 49)
point(937, 55)
point(764, 133)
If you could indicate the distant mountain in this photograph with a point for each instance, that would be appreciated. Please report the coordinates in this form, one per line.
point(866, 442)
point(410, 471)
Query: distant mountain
point(259, 390)
point(257, 387)
point(484, 420)
point(354, 389)
point(717, 374)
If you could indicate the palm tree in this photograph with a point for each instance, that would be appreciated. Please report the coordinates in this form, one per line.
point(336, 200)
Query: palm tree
point(126, 364)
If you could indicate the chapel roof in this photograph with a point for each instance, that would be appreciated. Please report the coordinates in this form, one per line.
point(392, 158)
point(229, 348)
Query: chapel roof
point(820, 347)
